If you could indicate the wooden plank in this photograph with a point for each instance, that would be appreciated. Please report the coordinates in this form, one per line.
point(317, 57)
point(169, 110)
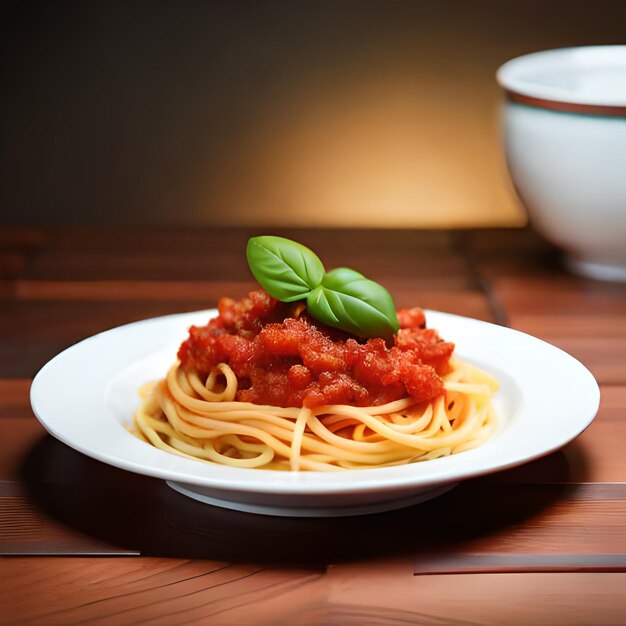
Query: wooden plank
point(552, 327)
point(604, 357)
point(228, 239)
point(204, 598)
point(125, 591)
point(117, 508)
point(19, 237)
point(12, 264)
point(407, 293)
point(161, 591)
point(126, 290)
point(613, 402)
point(132, 265)
point(30, 323)
point(504, 242)
point(440, 271)
point(461, 301)
point(18, 435)
point(25, 360)
point(563, 308)
point(26, 530)
point(541, 519)
point(560, 293)
point(14, 397)
point(597, 455)
point(17, 245)
point(219, 254)
point(146, 239)
point(586, 319)
point(563, 293)
point(382, 593)
point(518, 563)
point(31, 334)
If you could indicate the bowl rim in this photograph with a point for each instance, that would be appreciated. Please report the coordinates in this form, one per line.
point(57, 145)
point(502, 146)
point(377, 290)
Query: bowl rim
point(512, 76)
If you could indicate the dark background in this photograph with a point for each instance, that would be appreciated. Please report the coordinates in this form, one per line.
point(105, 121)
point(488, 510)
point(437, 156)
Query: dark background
point(307, 113)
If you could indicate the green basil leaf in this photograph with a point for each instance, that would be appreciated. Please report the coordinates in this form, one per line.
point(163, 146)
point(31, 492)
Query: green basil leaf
point(340, 276)
point(287, 270)
point(349, 301)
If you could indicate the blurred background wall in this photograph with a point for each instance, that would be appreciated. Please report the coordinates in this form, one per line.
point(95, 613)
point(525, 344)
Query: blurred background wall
point(261, 113)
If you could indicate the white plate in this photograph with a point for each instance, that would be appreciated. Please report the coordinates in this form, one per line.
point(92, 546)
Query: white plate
point(86, 396)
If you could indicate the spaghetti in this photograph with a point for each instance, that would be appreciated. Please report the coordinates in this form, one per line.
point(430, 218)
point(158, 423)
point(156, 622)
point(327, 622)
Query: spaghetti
point(199, 417)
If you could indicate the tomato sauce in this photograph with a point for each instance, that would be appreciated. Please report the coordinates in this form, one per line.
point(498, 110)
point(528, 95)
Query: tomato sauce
point(283, 357)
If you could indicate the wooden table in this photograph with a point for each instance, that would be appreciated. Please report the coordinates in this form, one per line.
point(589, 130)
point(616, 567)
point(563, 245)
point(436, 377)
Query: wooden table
point(82, 541)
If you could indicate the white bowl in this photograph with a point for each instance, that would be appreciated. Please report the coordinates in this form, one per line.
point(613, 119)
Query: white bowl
point(565, 140)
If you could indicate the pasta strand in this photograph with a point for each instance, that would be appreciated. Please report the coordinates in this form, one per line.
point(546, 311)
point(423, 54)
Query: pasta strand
point(199, 419)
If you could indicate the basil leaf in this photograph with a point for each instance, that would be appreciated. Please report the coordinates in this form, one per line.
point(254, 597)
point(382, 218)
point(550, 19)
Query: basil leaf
point(349, 301)
point(343, 298)
point(340, 276)
point(287, 270)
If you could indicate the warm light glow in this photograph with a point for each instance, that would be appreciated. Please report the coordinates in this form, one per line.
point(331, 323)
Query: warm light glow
point(386, 151)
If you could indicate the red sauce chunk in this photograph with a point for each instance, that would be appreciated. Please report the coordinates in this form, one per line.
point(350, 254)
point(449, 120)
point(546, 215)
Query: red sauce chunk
point(283, 357)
